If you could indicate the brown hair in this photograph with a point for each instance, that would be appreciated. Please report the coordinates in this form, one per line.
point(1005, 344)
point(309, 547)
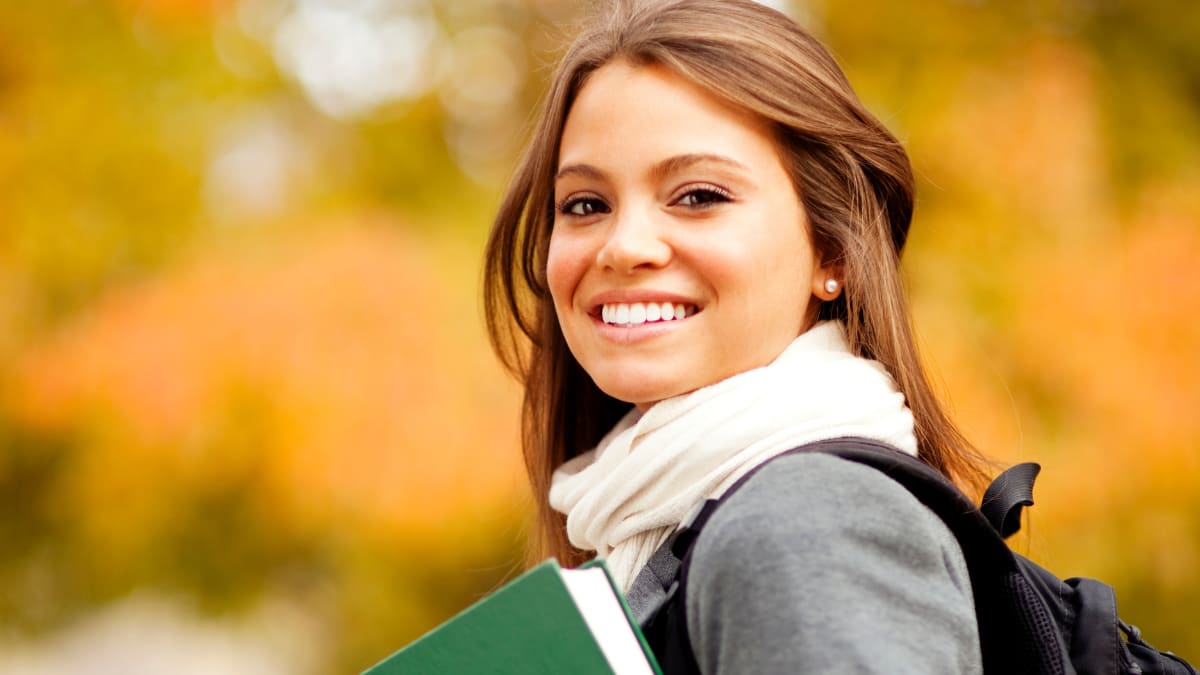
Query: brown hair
point(852, 175)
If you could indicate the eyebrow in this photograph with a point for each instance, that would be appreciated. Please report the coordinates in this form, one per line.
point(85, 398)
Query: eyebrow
point(664, 168)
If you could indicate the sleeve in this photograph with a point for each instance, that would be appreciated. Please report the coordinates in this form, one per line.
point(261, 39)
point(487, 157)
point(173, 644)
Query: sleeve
point(821, 565)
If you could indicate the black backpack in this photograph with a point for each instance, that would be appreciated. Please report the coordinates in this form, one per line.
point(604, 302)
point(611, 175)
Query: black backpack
point(1030, 621)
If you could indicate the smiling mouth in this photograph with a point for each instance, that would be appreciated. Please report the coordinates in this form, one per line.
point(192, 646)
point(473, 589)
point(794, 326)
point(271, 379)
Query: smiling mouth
point(637, 313)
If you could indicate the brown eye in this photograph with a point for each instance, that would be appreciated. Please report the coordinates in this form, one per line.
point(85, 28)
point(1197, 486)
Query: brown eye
point(583, 206)
point(701, 197)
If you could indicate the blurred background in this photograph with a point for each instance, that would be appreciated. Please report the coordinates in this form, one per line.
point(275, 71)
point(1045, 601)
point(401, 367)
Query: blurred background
point(249, 422)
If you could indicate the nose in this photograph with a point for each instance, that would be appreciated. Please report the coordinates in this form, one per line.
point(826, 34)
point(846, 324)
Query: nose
point(634, 242)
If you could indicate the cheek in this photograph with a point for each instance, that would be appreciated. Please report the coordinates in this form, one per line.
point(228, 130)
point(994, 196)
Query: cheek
point(772, 280)
point(564, 267)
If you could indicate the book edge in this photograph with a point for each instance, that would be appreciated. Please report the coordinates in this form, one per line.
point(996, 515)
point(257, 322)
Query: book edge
point(629, 618)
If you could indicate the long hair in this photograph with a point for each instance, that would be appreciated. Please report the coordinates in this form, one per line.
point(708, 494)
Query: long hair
point(853, 178)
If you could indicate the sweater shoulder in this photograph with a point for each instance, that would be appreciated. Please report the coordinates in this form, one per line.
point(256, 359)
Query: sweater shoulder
point(808, 493)
point(817, 560)
point(808, 508)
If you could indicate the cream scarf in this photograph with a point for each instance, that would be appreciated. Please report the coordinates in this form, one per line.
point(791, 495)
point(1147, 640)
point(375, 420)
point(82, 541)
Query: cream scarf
point(623, 498)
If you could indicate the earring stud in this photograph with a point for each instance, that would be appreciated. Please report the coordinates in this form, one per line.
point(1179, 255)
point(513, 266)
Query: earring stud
point(831, 285)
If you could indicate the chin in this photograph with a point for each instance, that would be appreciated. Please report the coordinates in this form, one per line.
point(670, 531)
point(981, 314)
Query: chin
point(640, 391)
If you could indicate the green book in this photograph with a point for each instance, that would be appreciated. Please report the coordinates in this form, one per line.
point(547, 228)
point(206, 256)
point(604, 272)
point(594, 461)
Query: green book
point(547, 621)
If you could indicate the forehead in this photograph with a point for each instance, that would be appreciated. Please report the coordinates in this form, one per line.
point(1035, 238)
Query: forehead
point(625, 114)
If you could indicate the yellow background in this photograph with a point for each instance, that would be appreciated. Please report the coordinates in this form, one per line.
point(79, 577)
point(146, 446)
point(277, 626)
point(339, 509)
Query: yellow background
point(248, 418)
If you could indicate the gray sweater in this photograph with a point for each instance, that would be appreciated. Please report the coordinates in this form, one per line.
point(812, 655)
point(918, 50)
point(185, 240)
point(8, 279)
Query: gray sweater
point(821, 565)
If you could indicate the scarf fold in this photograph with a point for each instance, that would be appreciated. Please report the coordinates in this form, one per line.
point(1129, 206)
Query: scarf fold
point(623, 498)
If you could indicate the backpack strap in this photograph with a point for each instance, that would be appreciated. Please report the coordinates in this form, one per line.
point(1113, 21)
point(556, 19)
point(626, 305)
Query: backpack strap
point(1019, 637)
point(1030, 621)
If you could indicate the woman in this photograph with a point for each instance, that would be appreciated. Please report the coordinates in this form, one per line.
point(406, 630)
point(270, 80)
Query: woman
point(701, 246)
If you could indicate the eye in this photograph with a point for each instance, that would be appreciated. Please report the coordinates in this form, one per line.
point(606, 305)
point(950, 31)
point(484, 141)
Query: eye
point(704, 196)
point(582, 206)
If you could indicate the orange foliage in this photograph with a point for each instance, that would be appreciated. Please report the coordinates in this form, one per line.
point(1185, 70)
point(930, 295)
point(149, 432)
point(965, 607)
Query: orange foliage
point(346, 372)
point(1063, 321)
point(1024, 139)
point(1125, 354)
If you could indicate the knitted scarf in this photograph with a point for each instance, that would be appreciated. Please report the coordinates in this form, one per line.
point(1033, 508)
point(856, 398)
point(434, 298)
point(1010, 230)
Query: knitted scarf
point(623, 498)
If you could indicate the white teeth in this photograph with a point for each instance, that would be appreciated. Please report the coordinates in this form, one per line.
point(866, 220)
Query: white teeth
point(637, 313)
point(622, 314)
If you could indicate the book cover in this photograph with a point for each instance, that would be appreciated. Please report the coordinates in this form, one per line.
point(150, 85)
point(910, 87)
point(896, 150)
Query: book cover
point(546, 621)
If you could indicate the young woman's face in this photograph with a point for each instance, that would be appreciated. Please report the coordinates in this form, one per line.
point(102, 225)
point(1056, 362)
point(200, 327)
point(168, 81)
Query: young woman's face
point(680, 253)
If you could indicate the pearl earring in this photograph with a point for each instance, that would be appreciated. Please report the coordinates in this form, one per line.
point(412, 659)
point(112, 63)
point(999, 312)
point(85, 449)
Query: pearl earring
point(831, 285)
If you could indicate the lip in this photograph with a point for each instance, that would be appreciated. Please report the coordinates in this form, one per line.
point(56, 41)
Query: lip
point(632, 334)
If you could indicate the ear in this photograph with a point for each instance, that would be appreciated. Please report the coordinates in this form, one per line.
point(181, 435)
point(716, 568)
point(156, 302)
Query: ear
point(827, 282)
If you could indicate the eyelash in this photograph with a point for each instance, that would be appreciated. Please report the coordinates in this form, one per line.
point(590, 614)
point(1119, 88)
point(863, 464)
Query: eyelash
point(564, 207)
point(712, 195)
